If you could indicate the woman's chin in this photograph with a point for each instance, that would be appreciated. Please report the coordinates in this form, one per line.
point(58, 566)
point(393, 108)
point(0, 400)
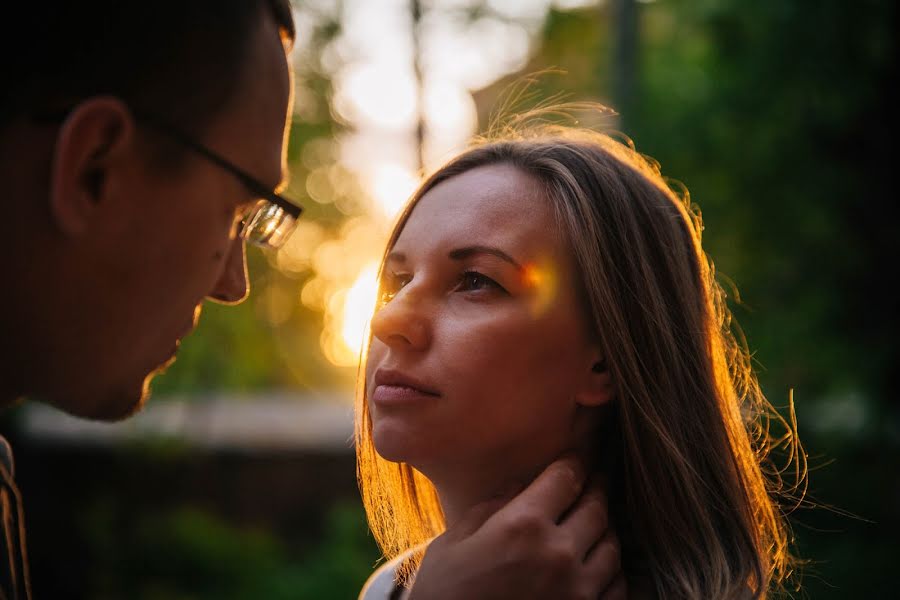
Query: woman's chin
point(391, 449)
point(398, 444)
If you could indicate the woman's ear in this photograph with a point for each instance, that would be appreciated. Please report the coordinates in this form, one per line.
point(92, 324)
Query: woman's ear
point(87, 147)
point(598, 387)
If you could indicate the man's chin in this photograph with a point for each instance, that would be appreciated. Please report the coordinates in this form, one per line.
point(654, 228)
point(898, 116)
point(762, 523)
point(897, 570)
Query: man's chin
point(113, 404)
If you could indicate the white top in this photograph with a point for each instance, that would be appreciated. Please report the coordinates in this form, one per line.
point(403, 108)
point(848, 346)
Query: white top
point(382, 584)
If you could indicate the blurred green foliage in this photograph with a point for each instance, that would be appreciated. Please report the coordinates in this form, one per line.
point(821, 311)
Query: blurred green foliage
point(771, 113)
point(238, 349)
point(775, 115)
point(189, 554)
point(232, 350)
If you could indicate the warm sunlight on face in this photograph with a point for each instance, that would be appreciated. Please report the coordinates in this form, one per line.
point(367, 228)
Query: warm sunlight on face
point(463, 371)
point(544, 280)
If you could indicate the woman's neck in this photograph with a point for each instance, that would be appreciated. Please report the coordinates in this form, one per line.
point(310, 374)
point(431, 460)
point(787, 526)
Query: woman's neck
point(460, 491)
point(463, 486)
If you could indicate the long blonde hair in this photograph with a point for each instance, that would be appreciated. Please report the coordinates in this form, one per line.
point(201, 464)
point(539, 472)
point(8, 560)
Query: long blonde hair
point(693, 492)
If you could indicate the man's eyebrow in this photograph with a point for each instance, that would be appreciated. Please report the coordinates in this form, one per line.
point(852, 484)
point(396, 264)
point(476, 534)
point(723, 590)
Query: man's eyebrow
point(468, 251)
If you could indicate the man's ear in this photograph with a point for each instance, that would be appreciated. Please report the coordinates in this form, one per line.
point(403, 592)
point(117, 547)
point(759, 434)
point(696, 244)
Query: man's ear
point(90, 141)
point(598, 387)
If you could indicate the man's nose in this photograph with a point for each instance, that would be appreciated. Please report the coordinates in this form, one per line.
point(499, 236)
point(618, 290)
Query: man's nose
point(233, 287)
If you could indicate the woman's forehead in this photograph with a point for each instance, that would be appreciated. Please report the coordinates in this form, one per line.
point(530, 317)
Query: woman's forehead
point(495, 203)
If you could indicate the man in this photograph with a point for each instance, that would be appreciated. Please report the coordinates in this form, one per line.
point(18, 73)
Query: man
point(136, 140)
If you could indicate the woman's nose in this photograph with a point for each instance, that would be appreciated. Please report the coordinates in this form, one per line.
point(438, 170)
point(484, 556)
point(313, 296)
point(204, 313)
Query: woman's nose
point(402, 323)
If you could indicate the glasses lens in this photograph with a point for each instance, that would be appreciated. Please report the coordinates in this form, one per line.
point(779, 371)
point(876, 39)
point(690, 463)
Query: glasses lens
point(267, 225)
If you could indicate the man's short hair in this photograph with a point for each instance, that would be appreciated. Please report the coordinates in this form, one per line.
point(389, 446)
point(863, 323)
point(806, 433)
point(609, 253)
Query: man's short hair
point(178, 58)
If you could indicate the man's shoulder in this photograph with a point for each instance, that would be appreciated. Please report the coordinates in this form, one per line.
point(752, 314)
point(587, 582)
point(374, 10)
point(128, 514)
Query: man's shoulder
point(6, 456)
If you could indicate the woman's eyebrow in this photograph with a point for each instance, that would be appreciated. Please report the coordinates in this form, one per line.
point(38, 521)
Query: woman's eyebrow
point(395, 256)
point(468, 251)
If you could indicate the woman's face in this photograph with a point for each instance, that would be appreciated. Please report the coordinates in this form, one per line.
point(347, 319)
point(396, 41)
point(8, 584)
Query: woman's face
point(480, 353)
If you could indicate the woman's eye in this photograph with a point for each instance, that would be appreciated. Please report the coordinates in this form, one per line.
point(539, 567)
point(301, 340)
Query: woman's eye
point(475, 281)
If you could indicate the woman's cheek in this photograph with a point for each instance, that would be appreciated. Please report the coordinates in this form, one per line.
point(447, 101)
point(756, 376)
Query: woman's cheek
point(494, 368)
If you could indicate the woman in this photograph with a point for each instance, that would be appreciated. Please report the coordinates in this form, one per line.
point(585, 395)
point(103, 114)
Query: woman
point(546, 292)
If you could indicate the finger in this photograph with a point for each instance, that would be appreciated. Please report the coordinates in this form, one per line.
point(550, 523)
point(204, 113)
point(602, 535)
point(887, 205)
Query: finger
point(603, 563)
point(553, 492)
point(618, 590)
point(587, 522)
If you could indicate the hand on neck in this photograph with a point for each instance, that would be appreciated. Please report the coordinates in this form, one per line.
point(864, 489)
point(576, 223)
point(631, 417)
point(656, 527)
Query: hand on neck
point(463, 486)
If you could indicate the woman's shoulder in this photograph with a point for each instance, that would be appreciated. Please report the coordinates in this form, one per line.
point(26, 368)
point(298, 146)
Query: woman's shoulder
point(382, 584)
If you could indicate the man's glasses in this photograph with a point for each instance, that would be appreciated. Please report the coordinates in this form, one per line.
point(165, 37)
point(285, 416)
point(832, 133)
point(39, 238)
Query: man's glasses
point(267, 223)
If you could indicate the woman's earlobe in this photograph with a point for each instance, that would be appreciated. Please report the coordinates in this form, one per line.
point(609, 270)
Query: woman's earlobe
point(598, 390)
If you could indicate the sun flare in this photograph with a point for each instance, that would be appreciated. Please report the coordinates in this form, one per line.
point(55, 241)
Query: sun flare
point(355, 312)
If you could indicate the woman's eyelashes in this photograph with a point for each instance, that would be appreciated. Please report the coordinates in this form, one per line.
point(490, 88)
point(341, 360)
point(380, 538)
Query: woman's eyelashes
point(474, 281)
point(468, 281)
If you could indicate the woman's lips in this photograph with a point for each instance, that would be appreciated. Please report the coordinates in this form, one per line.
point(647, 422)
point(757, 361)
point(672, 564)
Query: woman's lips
point(397, 388)
point(398, 395)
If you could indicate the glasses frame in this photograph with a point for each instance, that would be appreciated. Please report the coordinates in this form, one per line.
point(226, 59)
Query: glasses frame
point(253, 185)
